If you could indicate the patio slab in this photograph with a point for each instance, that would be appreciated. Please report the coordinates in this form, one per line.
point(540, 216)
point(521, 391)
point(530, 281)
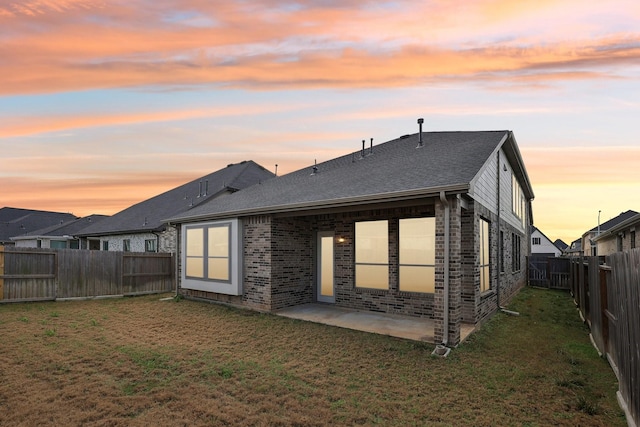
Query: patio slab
point(412, 328)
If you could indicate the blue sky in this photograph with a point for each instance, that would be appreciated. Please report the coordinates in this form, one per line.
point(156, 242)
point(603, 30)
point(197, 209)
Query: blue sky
point(104, 104)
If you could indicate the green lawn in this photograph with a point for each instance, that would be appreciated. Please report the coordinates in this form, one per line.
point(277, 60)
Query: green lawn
point(142, 361)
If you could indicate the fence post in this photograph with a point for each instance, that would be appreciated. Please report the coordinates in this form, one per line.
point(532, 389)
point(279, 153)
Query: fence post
point(1, 272)
point(604, 306)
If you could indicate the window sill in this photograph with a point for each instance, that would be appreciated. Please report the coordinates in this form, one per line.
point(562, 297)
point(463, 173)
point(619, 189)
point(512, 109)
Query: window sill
point(372, 291)
point(487, 294)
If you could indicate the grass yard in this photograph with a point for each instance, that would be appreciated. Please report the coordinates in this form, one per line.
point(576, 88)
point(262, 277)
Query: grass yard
point(141, 361)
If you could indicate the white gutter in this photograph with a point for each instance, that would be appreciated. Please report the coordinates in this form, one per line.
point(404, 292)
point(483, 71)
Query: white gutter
point(445, 338)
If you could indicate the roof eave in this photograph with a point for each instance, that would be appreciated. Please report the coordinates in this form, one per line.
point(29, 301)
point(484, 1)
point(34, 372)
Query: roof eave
point(328, 204)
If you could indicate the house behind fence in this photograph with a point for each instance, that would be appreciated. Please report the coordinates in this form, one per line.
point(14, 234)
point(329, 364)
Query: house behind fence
point(29, 274)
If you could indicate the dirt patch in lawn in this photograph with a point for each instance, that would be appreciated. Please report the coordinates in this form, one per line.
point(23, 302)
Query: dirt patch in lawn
point(143, 361)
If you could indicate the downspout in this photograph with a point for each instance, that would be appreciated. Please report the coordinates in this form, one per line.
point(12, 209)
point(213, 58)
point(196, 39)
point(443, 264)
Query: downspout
point(445, 338)
point(500, 251)
point(500, 261)
point(176, 261)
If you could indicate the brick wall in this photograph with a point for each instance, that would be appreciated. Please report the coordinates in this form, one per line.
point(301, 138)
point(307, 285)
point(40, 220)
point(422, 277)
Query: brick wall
point(257, 240)
point(390, 300)
point(456, 273)
point(292, 262)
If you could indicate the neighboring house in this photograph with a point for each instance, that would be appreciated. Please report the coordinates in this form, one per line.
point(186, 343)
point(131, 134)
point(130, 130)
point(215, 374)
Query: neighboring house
point(587, 241)
point(140, 228)
point(620, 237)
point(575, 248)
point(58, 236)
point(541, 245)
point(401, 227)
point(15, 222)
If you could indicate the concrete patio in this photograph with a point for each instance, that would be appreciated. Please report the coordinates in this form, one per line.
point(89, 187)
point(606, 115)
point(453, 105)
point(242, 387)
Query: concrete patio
point(412, 328)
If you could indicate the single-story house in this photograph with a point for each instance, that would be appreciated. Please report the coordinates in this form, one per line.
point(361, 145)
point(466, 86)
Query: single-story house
point(432, 224)
point(15, 222)
point(541, 245)
point(140, 228)
point(620, 237)
point(58, 236)
point(588, 245)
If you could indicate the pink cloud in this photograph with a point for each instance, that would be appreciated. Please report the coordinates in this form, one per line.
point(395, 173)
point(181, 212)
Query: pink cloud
point(47, 48)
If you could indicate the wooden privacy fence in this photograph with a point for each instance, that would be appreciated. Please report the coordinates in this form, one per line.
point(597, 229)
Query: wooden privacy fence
point(28, 274)
point(549, 272)
point(607, 293)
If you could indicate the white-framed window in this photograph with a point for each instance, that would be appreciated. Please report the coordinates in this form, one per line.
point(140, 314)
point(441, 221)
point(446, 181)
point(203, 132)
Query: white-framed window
point(105, 245)
point(518, 202)
point(535, 240)
point(372, 254)
point(126, 245)
point(212, 257)
point(417, 255)
point(485, 256)
point(150, 245)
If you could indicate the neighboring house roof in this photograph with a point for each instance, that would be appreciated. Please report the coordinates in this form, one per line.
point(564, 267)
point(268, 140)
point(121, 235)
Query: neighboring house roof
point(560, 244)
point(148, 215)
point(620, 226)
point(613, 222)
point(16, 222)
point(395, 170)
point(70, 228)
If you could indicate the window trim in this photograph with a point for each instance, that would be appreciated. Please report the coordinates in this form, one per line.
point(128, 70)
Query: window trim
point(482, 235)
point(376, 264)
point(429, 267)
point(232, 286)
point(154, 243)
point(516, 252)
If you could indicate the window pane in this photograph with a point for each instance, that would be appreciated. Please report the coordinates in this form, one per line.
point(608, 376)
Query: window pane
point(372, 276)
point(195, 267)
point(218, 241)
point(326, 266)
point(195, 242)
point(372, 244)
point(218, 268)
point(417, 279)
point(484, 229)
point(58, 244)
point(418, 241)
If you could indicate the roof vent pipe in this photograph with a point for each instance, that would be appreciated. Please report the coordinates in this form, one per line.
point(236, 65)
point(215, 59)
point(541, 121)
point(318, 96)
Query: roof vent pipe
point(363, 148)
point(371, 147)
point(420, 142)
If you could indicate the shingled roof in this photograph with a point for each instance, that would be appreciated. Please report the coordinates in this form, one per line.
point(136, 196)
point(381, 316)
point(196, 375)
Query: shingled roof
point(69, 228)
point(18, 222)
point(390, 171)
point(148, 215)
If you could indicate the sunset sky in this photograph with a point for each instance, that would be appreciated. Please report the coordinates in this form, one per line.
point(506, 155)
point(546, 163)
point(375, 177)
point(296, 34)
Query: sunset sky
point(106, 103)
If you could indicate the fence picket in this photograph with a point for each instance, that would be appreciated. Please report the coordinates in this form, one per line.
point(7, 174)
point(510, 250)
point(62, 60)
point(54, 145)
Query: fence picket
point(608, 297)
point(47, 274)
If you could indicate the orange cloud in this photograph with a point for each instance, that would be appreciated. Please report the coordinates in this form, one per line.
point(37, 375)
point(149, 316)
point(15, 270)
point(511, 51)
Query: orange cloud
point(31, 125)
